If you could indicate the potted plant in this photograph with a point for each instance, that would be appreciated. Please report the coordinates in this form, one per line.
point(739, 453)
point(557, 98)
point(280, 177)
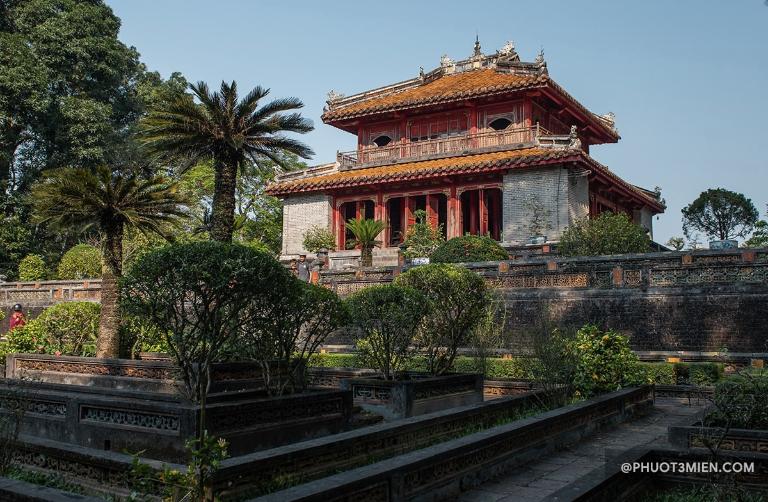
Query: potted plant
point(421, 240)
point(365, 233)
point(539, 220)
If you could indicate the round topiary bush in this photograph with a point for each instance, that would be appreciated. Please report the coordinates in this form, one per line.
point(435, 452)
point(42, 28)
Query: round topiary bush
point(456, 299)
point(386, 318)
point(80, 262)
point(68, 329)
point(607, 234)
point(32, 268)
point(469, 248)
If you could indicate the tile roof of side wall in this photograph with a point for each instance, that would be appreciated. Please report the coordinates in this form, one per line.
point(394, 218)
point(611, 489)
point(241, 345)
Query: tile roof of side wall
point(465, 164)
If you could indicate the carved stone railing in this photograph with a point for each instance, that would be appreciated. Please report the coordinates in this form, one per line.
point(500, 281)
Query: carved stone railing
point(372, 155)
point(641, 271)
point(48, 292)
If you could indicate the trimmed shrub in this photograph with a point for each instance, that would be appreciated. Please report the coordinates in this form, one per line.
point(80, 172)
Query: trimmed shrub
point(658, 373)
point(455, 302)
point(68, 329)
point(698, 373)
point(605, 362)
point(422, 239)
point(740, 402)
point(469, 248)
point(607, 234)
point(386, 318)
point(80, 262)
point(201, 295)
point(317, 238)
point(32, 268)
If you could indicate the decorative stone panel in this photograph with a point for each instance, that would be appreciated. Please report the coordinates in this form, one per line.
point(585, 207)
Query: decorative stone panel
point(300, 213)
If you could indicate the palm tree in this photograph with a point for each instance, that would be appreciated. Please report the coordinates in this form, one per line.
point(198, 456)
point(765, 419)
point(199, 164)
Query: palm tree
point(365, 233)
point(230, 133)
point(107, 202)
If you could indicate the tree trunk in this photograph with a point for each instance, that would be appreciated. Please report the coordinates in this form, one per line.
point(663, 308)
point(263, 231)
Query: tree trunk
point(108, 343)
point(223, 213)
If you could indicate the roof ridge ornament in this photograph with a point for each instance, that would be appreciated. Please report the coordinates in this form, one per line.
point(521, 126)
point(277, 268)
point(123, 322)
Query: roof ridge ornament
point(574, 141)
point(541, 63)
point(477, 52)
point(333, 98)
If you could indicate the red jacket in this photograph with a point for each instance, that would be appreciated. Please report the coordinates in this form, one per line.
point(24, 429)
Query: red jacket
point(17, 320)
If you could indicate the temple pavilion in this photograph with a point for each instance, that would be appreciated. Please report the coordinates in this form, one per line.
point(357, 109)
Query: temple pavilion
point(487, 145)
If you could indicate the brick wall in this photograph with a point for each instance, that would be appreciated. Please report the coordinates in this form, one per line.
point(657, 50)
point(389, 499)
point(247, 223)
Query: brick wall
point(300, 213)
point(566, 197)
point(674, 301)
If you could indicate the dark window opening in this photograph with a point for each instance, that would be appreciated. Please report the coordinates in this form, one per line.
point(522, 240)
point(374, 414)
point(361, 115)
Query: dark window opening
point(500, 124)
point(395, 220)
point(382, 140)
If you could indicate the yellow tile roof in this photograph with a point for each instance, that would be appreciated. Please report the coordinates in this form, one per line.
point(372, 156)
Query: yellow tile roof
point(447, 88)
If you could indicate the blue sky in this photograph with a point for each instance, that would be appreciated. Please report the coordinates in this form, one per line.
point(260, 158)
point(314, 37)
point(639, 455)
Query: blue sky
point(686, 79)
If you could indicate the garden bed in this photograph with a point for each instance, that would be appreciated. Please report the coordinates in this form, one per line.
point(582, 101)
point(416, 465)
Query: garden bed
point(417, 395)
point(159, 424)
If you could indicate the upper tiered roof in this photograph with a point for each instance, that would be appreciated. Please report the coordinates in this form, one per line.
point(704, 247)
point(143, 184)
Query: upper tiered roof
point(478, 76)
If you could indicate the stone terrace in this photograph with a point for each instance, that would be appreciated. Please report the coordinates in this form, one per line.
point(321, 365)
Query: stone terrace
point(541, 479)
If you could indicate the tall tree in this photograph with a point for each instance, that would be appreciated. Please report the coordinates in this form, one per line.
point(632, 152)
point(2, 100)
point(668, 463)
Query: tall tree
point(231, 133)
point(720, 214)
point(67, 86)
point(108, 202)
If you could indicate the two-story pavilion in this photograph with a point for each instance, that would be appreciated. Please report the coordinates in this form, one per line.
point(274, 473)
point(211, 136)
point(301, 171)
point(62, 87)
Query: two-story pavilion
point(475, 143)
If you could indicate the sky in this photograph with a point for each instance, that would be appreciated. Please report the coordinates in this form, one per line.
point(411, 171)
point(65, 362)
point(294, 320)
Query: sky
point(686, 79)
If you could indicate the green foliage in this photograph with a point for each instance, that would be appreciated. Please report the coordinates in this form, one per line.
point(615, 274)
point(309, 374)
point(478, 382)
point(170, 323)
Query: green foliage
point(201, 295)
point(386, 318)
point(67, 86)
point(659, 373)
point(139, 335)
point(282, 331)
point(676, 243)
point(759, 238)
point(740, 402)
point(317, 238)
point(720, 214)
point(455, 302)
point(68, 328)
point(607, 234)
point(698, 373)
point(469, 248)
point(32, 268)
point(81, 262)
point(365, 233)
point(422, 238)
point(193, 483)
point(15, 243)
point(199, 127)
point(605, 362)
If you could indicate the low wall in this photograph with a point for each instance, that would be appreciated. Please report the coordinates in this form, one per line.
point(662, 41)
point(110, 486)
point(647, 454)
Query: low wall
point(12, 490)
point(37, 296)
point(702, 301)
point(440, 472)
point(696, 436)
point(159, 424)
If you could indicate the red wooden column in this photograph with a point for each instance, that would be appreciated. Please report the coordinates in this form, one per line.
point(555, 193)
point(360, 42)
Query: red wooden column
point(473, 216)
point(473, 125)
point(483, 206)
point(432, 202)
point(338, 225)
point(380, 213)
point(454, 224)
point(408, 219)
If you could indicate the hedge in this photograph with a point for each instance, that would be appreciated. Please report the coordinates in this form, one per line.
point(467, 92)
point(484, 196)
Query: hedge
point(514, 368)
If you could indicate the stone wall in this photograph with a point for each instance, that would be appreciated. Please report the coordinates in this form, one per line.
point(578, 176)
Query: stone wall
point(36, 296)
point(564, 194)
point(703, 301)
point(300, 213)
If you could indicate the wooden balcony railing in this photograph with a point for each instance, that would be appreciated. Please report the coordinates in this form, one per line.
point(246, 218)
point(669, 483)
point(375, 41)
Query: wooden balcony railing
point(438, 146)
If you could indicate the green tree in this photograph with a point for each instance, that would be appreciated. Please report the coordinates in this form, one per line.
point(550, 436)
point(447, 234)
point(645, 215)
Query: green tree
point(231, 133)
point(422, 238)
point(607, 234)
point(469, 248)
point(365, 233)
point(67, 86)
point(80, 262)
point(15, 243)
point(317, 238)
point(108, 202)
point(455, 301)
point(720, 214)
point(676, 243)
point(32, 268)
point(759, 238)
point(386, 318)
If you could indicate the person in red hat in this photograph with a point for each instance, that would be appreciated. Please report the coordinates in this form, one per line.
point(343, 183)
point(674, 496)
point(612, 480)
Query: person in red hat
point(17, 318)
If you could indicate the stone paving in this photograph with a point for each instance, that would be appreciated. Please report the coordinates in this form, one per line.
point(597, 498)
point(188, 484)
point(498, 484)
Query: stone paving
point(552, 472)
